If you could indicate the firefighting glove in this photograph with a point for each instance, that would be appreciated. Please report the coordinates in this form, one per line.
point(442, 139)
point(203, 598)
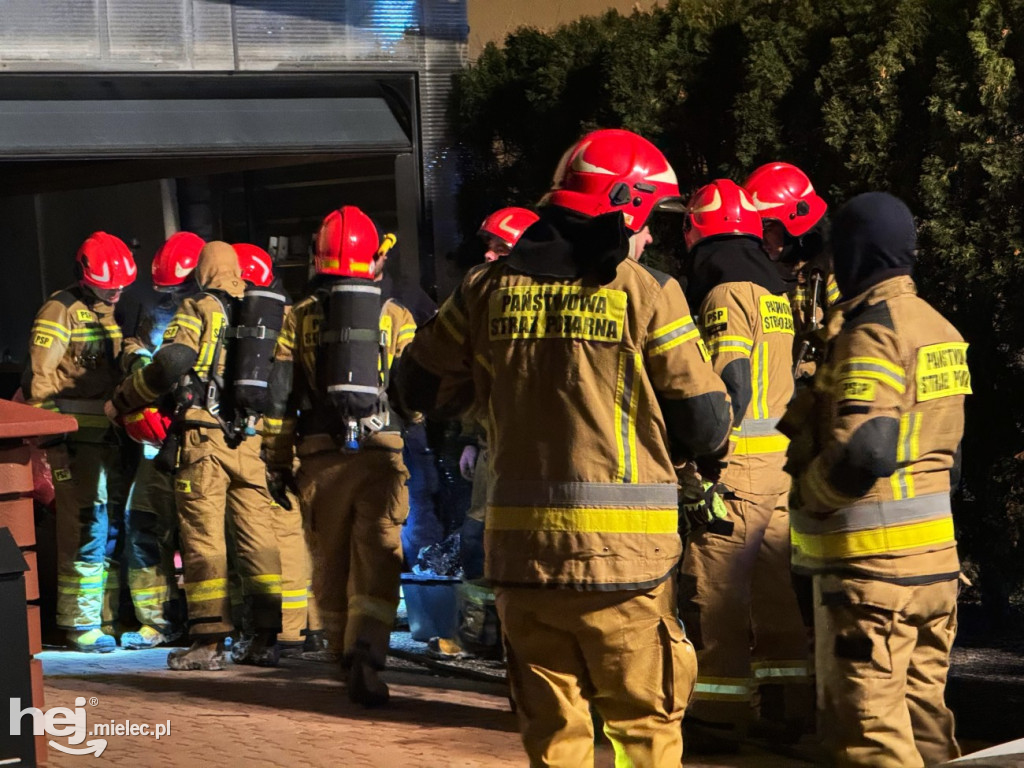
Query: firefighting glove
point(279, 482)
point(699, 506)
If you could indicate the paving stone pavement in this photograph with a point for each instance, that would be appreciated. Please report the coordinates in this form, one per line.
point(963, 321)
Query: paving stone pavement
point(294, 715)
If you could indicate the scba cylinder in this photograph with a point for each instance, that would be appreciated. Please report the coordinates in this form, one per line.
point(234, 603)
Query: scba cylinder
point(255, 337)
point(352, 348)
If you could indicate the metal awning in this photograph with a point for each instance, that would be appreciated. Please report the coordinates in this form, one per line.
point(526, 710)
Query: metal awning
point(137, 128)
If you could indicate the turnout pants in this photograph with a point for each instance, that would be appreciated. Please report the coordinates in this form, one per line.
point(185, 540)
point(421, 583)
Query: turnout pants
point(355, 504)
point(296, 571)
point(90, 486)
point(739, 608)
point(623, 652)
point(151, 530)
point(214, 480)
point(882, 655)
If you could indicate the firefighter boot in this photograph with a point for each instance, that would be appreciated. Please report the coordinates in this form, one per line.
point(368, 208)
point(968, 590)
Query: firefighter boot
point(91, 641)
point(259, 650)
point(146, 637)
point(207, 656)
point(364, 684)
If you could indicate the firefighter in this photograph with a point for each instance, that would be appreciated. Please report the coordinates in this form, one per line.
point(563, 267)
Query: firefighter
point(736, 598)
point(351, 478)
point(581, 532)
point(151, 526)
point(793, 215)
point(73, 367)
point(219, 470)
point(300, 623)
point(874, 448)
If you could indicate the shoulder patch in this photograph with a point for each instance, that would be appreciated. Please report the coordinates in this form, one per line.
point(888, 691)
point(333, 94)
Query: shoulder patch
point(658, 275)
point(875, 314)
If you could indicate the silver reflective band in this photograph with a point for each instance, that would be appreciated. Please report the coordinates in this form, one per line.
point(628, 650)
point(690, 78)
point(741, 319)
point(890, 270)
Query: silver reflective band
point(725, 690)
point(356, 289)
point(266, 295)
point(657, 341)
point(757, 427)
point(354, 388)
point(251, 383)
point(879, 514)
point(773, 672)
point(640, 495)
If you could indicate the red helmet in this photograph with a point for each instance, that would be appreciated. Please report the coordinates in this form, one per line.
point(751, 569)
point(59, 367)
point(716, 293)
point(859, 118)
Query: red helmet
point(720, 208)
point(346, 244)
point(106, 262)
point(176, 259)
point(783, 192)
point(148, 426)
point(507, 224)
point(615, 170)
point(256, 265)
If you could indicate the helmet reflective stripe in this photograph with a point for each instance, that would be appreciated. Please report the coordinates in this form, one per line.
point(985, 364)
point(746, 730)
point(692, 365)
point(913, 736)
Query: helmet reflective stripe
point(579, 163)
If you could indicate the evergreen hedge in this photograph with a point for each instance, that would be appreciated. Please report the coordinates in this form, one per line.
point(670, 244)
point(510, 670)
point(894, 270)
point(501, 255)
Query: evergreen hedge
point(922, 98)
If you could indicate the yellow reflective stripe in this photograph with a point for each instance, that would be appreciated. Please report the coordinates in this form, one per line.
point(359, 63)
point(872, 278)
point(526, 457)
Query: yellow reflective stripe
point(875, 368)
point(286, 339)
point(452, 318)
point(764, 382)
point(373, 607)
point(485, 364)
point(405, 331)
point(877, 541)
point(672, 335)
point(100, 331)
point(263, 584)
point(211, 589)
point(740, 344)
point(907, 448)
point(832, 292)
point(627, 398)
point(71, 585)
point(583, 520)
point(139, 383)
point(754, 446)
point(90, 421)
point(54, 329)
point(192, 323)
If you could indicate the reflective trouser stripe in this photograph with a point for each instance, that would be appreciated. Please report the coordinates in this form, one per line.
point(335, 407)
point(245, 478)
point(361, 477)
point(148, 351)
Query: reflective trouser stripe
point(150, 597)
point(373, 607)
point(293, 599)
point(722, 689)
point(263, 584)
point(780, 672)
point(211, 589)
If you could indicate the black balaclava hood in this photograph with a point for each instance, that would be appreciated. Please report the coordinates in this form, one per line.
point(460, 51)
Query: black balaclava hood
point(873, 239)
point(729, 260)
point(564, 244)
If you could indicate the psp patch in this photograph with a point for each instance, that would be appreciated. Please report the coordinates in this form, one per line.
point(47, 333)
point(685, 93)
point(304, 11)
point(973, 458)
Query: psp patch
point(42, 340)
point(857, 389)
point(183, 486)
point(61, 475)
point(716, 320)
